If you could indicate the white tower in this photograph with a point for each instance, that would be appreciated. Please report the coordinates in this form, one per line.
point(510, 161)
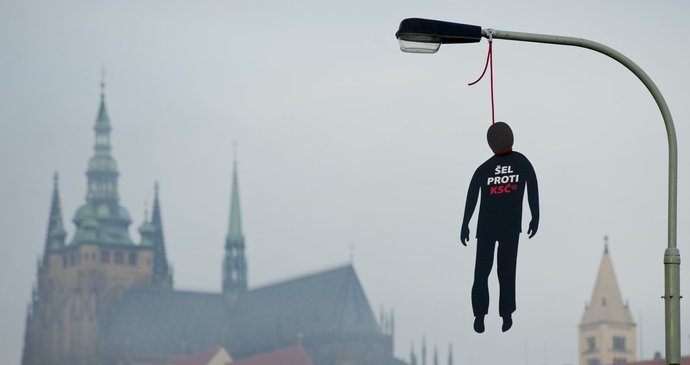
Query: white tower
point(607, 332)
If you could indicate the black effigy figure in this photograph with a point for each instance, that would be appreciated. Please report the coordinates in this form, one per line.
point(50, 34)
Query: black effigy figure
point(501, 180)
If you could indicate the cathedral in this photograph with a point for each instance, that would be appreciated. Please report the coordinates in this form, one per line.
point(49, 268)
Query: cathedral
point(607, 332)
point(103, 299)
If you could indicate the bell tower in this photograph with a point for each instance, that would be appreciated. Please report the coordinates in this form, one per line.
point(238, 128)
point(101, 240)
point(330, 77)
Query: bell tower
point(607, 332)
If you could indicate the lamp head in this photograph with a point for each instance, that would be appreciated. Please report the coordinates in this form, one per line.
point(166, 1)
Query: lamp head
point(418, 35)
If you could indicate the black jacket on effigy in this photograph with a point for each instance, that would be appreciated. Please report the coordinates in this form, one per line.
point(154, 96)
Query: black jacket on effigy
point(502, 180)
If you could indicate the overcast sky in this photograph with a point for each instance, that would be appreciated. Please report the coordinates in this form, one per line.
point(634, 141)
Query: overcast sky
point(344, 140)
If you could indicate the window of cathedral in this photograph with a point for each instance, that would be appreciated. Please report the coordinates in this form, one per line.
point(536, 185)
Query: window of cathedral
point(591, 344)
point(619, 360)
point(618, 343)
point(119, 258)
point(65, 262)
point(132, 259)
point(593, 362)
point(105, 256)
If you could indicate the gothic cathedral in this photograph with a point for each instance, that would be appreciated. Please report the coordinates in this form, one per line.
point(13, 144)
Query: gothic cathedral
point(102, 299)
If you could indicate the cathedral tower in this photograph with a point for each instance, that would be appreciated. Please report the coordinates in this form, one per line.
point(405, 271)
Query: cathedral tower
point(234, 263)
point(607, 333)
point(78, 282)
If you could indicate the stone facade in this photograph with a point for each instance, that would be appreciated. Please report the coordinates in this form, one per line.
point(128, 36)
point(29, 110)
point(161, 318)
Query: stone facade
point(76, 290)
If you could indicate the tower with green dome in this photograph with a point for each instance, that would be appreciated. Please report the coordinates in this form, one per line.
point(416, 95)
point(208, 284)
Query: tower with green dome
point(102, 214)
point(80, 279)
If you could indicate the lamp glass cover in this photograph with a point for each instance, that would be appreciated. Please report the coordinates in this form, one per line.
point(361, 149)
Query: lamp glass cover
point(419, 47)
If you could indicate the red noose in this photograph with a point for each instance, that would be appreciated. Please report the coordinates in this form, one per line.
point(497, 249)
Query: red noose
point(490, 64)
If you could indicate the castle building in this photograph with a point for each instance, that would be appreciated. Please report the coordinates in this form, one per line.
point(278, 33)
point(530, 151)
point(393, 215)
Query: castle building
point(607, 332)
point(102, 299)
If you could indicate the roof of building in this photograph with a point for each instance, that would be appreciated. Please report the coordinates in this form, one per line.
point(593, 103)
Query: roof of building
point(167, 322)
point(606, 303)
point(294, 355)
point(328, 302)
point(270, 317)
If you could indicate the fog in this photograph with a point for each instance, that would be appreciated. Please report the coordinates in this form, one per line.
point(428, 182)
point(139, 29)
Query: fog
point(349, 149)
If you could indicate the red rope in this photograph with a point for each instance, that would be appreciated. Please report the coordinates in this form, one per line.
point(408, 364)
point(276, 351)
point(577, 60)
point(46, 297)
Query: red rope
point(490, 65)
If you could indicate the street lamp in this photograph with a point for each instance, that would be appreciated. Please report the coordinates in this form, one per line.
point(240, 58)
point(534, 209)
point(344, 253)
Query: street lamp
point(426, 36)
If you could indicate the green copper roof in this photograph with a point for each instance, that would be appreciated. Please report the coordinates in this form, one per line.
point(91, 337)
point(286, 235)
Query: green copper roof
point(234, 262)
point(102, 170)
point(102, 163)
point(235, 235)
point(102, 224)
point(102, 120)
point(87, 232)
point(101, 219)
point(147, 232)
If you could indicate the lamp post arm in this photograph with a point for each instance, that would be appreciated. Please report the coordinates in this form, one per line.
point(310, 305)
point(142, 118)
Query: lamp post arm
point(672, 254)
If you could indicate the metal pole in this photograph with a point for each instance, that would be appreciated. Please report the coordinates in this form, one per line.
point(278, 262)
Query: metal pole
point(671, 255)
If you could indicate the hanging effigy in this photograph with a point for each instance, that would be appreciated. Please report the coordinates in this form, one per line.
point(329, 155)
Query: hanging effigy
point(501, 181)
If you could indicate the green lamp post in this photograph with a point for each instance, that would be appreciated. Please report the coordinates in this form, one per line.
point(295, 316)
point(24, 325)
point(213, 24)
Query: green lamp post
point(426, 36)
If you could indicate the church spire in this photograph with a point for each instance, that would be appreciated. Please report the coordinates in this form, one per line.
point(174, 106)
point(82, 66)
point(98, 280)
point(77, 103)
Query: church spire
point(607, 332)
point(102, 172)
point(235, 227)
point(234, 263)
point(55, 237)
point(102, 220)
point(606, 244)
point(606, 303)
point(161, 271)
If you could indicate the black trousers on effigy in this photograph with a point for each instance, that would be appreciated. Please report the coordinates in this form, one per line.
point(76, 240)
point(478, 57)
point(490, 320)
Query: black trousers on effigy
point(506, 262)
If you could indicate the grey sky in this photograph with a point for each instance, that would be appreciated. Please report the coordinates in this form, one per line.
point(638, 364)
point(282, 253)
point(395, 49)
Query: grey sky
point(345, 140)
